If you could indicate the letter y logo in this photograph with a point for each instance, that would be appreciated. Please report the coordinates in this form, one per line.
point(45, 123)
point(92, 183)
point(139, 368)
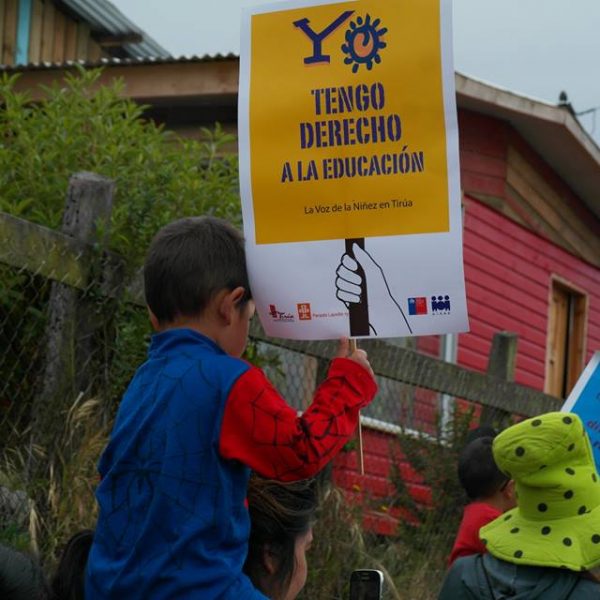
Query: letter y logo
point(317, 38)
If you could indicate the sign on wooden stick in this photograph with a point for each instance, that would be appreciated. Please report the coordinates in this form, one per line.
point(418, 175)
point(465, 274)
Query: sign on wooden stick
point(349, 169)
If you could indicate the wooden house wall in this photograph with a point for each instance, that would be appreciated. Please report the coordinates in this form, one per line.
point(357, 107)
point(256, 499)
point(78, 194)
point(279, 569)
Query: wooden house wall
point(509, 271)
point(9, 12)
point(53, 37)
point(538, 223)
point(483, 150)
point(501, 170)
point(522, 227)
point(513, 248)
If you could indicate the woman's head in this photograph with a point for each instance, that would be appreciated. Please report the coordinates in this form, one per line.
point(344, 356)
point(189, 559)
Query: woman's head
point(282, 516)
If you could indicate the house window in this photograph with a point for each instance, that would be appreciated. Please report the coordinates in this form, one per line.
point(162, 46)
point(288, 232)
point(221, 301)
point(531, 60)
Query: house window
point(566, 338)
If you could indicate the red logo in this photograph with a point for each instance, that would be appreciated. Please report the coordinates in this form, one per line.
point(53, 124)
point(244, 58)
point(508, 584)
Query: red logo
point(421, 306)
point(304, 313)
point(278, 315)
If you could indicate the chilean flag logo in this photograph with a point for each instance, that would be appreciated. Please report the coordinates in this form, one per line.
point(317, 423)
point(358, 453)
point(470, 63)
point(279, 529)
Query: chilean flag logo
point(417, 306)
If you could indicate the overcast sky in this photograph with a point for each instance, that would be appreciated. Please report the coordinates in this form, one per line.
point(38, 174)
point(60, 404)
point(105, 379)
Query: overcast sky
point(533, 47)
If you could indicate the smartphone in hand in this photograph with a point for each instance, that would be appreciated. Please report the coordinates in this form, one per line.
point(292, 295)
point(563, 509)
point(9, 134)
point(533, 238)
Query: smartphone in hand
point(366, 584)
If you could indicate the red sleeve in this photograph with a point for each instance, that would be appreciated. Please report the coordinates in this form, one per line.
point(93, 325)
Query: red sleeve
point(476, 515)
point(262, 431)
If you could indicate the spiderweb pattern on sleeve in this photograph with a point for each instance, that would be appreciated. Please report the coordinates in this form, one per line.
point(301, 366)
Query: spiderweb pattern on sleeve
point(260, 429)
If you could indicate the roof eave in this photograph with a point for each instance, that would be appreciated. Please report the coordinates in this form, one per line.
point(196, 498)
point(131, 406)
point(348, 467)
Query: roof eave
point(553, 131)
point(105, 16)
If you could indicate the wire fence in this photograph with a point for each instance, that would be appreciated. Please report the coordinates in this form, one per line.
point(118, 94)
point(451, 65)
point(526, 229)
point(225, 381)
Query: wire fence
point(73, 329)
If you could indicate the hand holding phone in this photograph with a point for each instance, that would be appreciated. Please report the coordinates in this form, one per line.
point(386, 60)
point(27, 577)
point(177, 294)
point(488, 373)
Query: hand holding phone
point(366, 584)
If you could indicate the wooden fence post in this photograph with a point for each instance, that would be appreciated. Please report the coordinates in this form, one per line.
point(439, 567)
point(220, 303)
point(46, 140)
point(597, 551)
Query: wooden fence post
point(70, 325)
point(501, 365)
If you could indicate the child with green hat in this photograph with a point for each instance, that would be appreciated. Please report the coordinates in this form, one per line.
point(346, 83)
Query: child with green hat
point(548, 545)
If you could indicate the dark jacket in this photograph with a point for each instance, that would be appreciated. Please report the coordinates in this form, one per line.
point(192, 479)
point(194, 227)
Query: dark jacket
point(20, 577)
point(484, 577)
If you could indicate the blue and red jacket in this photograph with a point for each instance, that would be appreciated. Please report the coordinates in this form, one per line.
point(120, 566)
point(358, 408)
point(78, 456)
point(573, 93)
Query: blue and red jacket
point(172, 518)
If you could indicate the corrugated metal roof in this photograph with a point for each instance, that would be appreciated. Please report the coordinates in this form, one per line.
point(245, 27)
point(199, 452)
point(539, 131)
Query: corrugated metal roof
point(114, 61)
point(102, 15)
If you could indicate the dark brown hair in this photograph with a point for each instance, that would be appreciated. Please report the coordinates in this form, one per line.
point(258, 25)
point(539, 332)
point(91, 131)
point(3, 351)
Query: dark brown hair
point(188, 262)
point(279, 514)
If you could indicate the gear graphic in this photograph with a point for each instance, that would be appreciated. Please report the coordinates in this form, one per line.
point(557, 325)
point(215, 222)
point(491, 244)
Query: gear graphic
point(363, 43)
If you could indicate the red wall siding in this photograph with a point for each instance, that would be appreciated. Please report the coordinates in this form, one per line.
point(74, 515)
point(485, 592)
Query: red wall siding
point(426, 402)
point(483, 150)
point(508, 272)
point(429, 344)
point(373, 489)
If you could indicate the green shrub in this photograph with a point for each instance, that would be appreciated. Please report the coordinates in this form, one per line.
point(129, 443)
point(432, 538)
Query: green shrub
point(81, 125)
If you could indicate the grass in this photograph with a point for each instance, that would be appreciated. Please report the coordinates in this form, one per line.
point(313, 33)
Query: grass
point(341, 545)
point(62, 502)
point(60, 493)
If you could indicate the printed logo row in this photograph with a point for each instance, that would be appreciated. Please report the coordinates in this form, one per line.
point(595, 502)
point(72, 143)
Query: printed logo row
point(435, 305)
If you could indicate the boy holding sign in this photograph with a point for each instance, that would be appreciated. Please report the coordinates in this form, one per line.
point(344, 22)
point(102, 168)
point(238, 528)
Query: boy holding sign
point(194, 421)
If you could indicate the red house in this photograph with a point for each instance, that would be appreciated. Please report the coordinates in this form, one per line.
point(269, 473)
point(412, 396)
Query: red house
point(531, 202)
point(531, 197)
point(531, 178)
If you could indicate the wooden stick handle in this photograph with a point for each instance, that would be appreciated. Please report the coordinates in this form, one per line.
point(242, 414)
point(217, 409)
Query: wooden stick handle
point(358, 313)
point(361, 456)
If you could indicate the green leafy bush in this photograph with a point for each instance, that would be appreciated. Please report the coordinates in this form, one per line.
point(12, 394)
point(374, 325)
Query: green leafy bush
point(80, 125)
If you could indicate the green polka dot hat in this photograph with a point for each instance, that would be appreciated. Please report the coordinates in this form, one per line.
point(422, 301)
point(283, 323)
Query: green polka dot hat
point(557, 519)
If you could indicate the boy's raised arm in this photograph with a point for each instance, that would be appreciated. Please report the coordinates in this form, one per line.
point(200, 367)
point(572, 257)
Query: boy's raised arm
point(261, 430)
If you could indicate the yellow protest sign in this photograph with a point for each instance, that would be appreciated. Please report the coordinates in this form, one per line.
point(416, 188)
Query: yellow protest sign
point(347, 133)
point(349, 174)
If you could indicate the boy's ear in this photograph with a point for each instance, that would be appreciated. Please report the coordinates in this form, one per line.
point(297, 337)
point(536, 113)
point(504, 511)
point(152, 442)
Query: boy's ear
point(228, 303)
point(153, 320)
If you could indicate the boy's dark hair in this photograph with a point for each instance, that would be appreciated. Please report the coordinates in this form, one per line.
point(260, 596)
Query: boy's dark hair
point(188, 262)
point(477, 469)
